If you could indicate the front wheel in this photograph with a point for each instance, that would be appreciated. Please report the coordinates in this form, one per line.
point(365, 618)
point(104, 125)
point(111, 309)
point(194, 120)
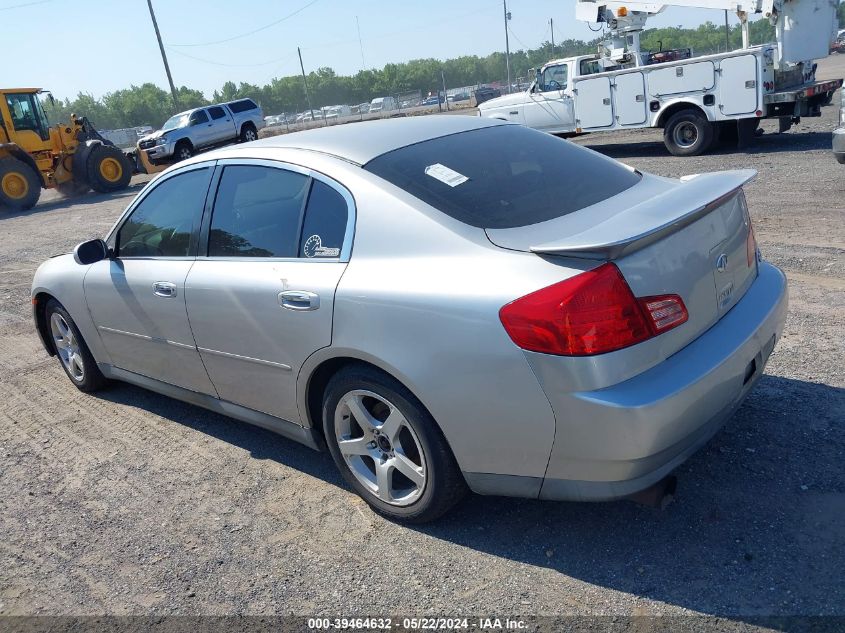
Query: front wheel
point(73, 353)
point(688, 133)
point(388, 447)
point(108, 169)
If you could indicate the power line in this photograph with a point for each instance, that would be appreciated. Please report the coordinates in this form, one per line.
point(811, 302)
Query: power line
point(254, 31)
point(215, 63)
point(25, 4)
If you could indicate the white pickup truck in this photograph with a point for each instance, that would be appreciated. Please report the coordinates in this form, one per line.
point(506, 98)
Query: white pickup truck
point(184, 134)
point(696, 100)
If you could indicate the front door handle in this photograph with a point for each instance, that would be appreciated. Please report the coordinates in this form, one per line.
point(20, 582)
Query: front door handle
point(299, 300)
point(164, 289)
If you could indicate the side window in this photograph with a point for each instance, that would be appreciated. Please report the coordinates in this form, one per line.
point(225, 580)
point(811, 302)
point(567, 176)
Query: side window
point(325, 222)
point(257, 212)
point(161, 225)
point(199, 117)
point(554, 78)
point(216, 112)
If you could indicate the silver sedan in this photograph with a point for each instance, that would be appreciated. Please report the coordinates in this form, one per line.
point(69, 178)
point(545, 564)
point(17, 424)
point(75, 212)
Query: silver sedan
point(445, 303)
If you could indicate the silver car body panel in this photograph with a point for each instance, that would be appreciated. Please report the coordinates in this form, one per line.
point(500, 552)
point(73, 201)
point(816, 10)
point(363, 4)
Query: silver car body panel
point(418, 295)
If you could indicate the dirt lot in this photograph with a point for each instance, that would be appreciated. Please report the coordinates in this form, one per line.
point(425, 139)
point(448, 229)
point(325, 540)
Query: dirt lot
point(130, 503)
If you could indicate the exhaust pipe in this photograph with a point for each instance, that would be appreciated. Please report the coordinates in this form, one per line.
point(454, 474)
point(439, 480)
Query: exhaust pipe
point(658, 495)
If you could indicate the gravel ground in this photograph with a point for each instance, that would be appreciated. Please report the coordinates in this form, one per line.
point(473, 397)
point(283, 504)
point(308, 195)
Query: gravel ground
point(127, 502)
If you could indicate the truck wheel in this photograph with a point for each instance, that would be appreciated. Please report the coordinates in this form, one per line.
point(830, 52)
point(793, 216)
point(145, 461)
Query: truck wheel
point(108, 169)
point(20, 185)
point(183, 150)
point(688, 133)
point(248, 133)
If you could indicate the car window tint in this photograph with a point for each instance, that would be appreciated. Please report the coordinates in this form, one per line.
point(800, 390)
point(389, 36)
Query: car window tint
point(216, 112)
point(325, 222)
point(257, 212)
point(161, 225)
point(504, 176)
point(199, 117)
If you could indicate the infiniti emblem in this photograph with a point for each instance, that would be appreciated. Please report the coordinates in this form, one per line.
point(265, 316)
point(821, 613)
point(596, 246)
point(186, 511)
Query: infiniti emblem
point(722, 263)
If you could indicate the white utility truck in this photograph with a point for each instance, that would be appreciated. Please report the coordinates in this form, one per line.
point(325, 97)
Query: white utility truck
point(696, 100)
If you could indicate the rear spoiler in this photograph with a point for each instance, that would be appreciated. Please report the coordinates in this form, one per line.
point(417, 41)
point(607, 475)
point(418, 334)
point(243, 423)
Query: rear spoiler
point(645, 223)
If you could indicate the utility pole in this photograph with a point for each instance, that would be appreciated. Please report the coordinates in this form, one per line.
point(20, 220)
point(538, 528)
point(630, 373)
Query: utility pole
point(163, 56)
point(361, 44)
point(727, 33)
point(552, 25)
point(305, 82)
point(439, 105)
point(507, 44)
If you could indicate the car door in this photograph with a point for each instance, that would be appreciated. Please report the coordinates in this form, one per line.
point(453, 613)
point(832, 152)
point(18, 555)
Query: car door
point(223, 127)
point(261, 294)
point(202, 129)
point(550, 106)
point(137, 297)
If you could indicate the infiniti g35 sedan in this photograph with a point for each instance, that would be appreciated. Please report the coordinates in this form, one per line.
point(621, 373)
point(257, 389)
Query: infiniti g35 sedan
point(444, 303)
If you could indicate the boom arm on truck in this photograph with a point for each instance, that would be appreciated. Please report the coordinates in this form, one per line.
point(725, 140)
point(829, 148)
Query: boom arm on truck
point(804, 28)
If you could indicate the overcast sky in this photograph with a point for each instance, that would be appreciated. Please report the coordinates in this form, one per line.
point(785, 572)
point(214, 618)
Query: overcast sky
point(98, 46)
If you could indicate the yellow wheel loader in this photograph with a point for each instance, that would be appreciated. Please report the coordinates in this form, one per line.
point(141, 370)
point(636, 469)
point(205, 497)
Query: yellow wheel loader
point(72, 157)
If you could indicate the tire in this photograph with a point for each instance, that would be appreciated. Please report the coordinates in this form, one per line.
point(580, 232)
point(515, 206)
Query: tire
point(184, 150)
point(108, 169)
point(688, 133)
point(248, 133)
point(20, 185)
point(420, 477)
point(73, 354)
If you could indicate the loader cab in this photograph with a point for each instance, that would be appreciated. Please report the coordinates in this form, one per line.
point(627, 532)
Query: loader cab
point(23, 114)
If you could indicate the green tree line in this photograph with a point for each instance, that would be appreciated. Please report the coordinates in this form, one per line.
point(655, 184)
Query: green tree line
point(148, 104)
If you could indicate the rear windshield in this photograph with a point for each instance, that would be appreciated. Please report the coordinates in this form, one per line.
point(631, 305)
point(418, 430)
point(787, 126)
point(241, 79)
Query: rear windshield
point(503, 177)
point(242, 106)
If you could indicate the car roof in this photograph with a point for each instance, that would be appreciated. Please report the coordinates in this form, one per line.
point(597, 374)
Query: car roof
point(362, 142)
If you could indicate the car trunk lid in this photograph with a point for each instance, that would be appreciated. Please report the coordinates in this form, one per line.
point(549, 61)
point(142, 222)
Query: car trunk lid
point(688, 237)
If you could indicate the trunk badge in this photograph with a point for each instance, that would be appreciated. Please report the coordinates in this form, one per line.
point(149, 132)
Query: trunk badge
point(722, 263)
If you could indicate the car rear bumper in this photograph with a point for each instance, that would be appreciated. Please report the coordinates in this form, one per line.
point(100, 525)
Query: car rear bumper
point(616, 441)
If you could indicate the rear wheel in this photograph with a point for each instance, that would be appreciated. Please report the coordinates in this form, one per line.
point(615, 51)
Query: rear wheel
point(73, 353)
point(108, 169)
point(20, 185)
point(248, 133)
point(388, 447)
point(688, 133)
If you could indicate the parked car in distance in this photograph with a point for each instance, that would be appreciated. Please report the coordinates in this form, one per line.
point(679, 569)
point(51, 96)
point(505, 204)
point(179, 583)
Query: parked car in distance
point(485, 93)
point(336, 112)
point(185, 133)
point(519, 315)
point(383, 104)
point(839, 133)
point(432, 100)
point(461, 96)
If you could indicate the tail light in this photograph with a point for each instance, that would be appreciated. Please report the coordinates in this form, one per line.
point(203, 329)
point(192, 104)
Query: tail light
point(750, 244)
point(592, 313)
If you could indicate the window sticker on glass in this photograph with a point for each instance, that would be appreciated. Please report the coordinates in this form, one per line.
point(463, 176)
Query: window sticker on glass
point(445, 175)
point(314, 248)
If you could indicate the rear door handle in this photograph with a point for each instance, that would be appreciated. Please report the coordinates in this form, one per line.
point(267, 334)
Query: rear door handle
point(164, 289)
point(299, 300)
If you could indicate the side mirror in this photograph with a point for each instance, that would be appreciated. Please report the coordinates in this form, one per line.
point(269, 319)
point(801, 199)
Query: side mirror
point(90, 252)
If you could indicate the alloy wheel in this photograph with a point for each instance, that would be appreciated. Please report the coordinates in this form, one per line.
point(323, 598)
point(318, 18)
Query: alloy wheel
point(380, 447)
point(67, 347)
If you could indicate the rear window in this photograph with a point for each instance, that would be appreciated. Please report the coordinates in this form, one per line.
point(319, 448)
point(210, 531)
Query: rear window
point(242, 106)
point(503, 177)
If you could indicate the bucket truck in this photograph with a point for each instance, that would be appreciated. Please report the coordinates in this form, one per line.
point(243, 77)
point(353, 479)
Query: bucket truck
point(695, 100)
